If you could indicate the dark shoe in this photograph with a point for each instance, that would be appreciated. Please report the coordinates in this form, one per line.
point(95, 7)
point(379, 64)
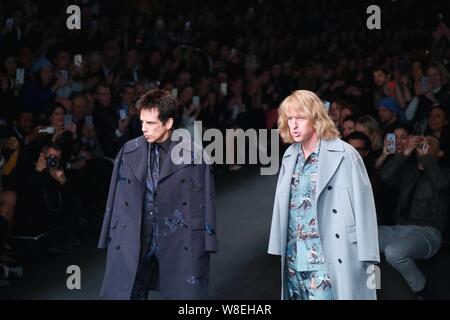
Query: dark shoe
point(59, 249)
point(423, 294)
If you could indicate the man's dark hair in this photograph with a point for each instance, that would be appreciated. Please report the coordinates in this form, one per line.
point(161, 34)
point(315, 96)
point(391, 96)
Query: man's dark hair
point(51, 145)
point(351, 118)
point(125, 87)
point(163, 101)
point(403, 126)
point(360, 136)
point(102, 85)
point(385, 70)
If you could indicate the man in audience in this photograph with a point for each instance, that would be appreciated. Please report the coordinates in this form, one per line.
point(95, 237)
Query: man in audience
point(421, 211)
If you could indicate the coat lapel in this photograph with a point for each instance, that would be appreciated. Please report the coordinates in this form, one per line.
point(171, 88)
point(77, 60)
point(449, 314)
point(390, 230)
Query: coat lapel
point(330, 157)
point(135, 155)
point(169, 167)
point(289, 161)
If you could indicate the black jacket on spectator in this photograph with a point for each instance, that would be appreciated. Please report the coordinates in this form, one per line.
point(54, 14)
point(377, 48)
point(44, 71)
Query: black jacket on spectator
point(106, 124)
point(423, 195)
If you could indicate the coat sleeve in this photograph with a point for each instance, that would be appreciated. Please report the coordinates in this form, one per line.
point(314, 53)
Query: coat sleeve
point(438, 177)
point(365, 214)
point(275, 228)
point(210, 213)
point(391, 172)
point(104, 235)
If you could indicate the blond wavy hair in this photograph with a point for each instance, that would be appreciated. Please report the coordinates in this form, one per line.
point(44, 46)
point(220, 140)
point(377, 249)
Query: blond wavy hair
point(308, 104)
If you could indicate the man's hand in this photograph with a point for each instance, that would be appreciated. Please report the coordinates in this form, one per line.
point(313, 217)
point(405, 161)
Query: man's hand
point(413, 142)
point(123, 125)
point(58, 175)
point(88, 132)
point(41, 164)
point(12, 144)
point(59, 131)
point(422, 150)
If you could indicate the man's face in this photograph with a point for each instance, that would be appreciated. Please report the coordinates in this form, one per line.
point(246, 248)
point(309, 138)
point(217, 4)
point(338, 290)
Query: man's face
point(46, 75)
point(348, 127)
point(63, 60)
point(344, 113)
point(359, 145)
point(104, 96)
point(128, 96)
point(435, 77)
point(300, 127)
point(25, 122)
point(152, 128)
point(334, 112)
point(433, 142)
point(401, 140)
point(79, 105)
point(54, 153)
point(380, 78)
point(26, 56)
point(386, 115)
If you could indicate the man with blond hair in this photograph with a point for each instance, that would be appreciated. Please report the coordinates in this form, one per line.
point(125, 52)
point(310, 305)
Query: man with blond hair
point(324, 223)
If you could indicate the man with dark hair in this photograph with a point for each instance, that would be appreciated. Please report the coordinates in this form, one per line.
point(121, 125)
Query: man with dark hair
point(112, 132)
point(421, 211)
point(159, 224)
point(362, 144)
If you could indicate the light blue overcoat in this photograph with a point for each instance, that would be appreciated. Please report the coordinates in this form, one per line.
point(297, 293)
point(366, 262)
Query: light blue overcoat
point(346, 217)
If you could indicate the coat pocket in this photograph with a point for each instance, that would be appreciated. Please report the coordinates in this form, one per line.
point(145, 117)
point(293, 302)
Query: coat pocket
point(114, 222)
point(198, 242)
point(348, 214)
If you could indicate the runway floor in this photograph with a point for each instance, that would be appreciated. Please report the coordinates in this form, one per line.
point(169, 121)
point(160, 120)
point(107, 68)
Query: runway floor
point(240, 270)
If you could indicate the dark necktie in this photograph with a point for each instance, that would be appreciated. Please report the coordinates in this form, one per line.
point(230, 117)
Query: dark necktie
point(155, 165)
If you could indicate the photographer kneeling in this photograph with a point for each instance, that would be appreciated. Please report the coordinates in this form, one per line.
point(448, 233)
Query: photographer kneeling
point(48, 203)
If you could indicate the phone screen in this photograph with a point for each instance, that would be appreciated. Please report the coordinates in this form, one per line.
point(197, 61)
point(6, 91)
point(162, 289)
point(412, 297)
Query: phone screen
point(196, 100)
point(9, 22)
point(88, 121)
point(390, 138)
point(223, 88)
point(122, 114)
point(20, 76)
point(67, 120)
point(64, 75)
point(78, 60)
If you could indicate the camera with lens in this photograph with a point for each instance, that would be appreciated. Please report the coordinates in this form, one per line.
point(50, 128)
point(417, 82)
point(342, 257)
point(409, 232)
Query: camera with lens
point(53, 162)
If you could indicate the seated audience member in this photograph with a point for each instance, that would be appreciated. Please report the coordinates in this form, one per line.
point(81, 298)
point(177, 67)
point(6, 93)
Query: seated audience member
point(389, 113)
point(438, 127)
point(421, 211)
point(348, 126)
point(362, 144)
point(48, 202)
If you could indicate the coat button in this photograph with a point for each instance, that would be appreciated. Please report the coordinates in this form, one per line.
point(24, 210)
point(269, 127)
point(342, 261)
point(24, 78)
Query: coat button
point(118, 247)
point(334, 211)
point(129, 181)
point(337, 235)
point(184, 203)
point(126, 204)
point(186, 248)
point(329, 188)
point(339, 260)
